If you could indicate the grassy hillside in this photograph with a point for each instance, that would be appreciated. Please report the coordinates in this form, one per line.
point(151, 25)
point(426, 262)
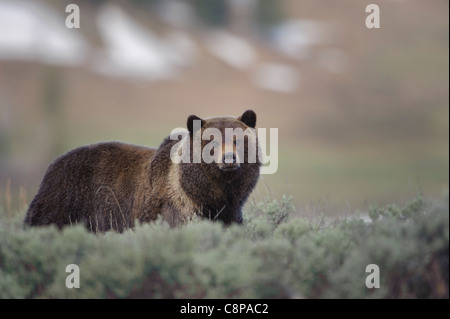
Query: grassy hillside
point(377, 131)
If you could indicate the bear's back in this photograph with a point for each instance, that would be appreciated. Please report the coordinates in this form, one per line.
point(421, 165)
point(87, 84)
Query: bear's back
point(76, 183)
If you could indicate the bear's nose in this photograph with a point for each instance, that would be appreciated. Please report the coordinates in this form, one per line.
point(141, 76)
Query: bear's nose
point(229, 158)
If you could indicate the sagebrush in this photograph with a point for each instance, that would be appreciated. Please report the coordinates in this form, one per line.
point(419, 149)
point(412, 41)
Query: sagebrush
point(272, 255)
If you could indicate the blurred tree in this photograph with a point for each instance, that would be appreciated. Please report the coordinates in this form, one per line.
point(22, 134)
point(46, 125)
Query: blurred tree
point(269, 13)
point(213, 13)
point(217, 13)
point(53, 109)
point(263, 14)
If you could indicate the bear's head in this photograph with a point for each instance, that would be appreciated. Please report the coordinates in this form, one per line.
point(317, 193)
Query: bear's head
point(225, 146)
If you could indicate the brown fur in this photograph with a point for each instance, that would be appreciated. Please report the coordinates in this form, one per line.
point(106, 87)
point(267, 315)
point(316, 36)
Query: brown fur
point(110, 185)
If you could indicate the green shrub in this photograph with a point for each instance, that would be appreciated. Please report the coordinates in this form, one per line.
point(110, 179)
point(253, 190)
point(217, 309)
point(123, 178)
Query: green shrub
point(264, 217)
point(273, 255)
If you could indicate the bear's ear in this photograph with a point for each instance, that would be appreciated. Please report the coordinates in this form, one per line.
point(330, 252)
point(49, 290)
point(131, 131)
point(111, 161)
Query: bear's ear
point(190, 123)
point(248, 118)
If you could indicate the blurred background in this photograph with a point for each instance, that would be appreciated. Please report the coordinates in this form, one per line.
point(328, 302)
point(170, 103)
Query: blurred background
point(362, 114)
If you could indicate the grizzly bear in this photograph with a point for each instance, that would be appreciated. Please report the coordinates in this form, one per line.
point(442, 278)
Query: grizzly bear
point(108, 186)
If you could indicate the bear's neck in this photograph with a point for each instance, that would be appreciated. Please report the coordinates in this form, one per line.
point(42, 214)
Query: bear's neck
point(216, 197)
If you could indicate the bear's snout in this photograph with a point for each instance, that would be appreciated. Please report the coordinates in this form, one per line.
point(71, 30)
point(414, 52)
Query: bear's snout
point(229, 162)
point(229, 158)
